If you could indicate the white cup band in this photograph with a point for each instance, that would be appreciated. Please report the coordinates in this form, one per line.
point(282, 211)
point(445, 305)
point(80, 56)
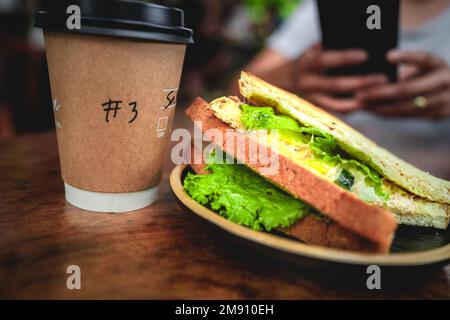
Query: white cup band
point(110, 202)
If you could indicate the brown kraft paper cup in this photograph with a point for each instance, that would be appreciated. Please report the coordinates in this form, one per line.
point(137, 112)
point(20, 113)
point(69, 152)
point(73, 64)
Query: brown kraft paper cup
point(124, 153)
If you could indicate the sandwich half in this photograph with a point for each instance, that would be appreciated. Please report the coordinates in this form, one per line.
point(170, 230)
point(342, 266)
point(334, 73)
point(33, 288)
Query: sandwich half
point(412, 195)
point(354, 191)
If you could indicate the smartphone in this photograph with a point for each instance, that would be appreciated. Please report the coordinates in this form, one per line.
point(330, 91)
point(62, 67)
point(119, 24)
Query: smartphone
point(371, 25)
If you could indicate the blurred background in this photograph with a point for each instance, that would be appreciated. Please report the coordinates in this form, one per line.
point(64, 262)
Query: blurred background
point(228, 33)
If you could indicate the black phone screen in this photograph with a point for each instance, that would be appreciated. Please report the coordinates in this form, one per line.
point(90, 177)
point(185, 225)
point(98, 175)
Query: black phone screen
point(371, 25)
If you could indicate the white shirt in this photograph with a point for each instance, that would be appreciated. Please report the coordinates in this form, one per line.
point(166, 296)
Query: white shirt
point(302, 29)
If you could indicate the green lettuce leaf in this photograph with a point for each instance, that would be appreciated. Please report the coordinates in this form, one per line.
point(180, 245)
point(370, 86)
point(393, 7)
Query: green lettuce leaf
point(243, 197)
point(255, 118)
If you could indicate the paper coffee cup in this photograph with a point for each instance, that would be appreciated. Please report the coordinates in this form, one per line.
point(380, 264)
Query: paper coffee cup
point(114, 89)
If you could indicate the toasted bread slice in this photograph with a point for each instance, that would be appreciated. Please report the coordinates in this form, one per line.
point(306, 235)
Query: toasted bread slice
point(356, 217)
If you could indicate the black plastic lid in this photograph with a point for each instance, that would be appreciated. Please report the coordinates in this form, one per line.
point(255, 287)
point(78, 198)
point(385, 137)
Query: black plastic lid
point(129, 19)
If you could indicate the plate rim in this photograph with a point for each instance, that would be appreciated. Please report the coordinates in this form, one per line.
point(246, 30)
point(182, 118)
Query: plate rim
point(420, 258)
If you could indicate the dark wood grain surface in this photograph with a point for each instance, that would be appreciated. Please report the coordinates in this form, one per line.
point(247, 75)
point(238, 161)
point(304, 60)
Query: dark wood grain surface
point(157, 252)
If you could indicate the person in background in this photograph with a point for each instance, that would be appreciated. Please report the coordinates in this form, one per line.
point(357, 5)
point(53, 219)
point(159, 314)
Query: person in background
point(209, 57)
point(294, 60)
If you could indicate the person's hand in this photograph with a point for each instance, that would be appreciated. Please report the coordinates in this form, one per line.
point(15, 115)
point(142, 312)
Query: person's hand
point(423, 89)
point(310, 80)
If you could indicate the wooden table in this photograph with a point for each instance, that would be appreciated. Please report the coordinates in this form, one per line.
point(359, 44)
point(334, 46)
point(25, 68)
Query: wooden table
point(157, 252)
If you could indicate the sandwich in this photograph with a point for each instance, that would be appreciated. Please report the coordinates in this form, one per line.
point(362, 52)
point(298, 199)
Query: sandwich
point(332, 186)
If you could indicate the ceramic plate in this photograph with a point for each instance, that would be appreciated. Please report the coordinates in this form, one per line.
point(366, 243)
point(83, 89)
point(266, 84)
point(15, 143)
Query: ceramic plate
point(412, 247)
